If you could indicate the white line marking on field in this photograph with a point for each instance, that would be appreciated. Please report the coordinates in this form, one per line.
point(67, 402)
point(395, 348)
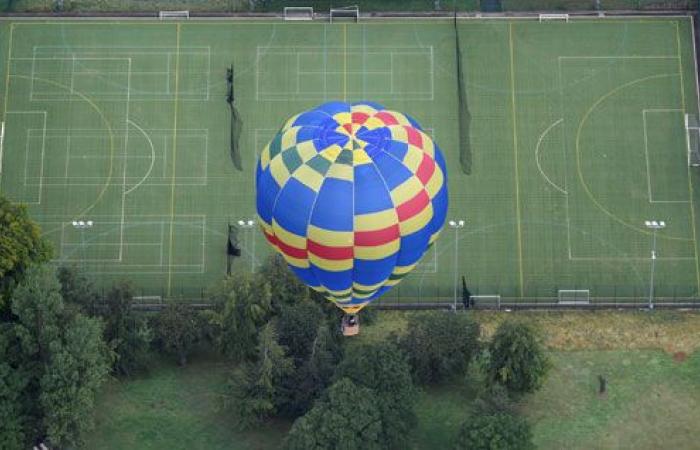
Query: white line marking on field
point(646, 152)
point(566, 198)
point(153, 157)
point(537, 156)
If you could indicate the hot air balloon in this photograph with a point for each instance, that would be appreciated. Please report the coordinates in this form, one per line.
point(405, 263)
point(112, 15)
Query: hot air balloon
point(351, 195)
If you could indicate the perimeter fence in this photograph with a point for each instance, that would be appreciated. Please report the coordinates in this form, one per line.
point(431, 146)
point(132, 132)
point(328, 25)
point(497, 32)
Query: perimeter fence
point(276, 7)
point(442, 297)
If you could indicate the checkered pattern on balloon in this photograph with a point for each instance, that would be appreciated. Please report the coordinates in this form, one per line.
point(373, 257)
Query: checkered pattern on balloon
point(352, 196)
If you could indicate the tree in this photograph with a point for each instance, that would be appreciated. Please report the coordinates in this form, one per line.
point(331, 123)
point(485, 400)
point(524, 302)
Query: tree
point(13, 381)
point(21, 245)
point(285, 287)
point(297, 326)
point(78, 290)
point(178, 329)
point(61, 357)
point(383, 368)
point(76, 371)
point(128, 334)
point(516, 358)
point(498, 431)
point(313, 375)
point(254, 387)
point(242, 307)
point(347, 417)
point(440, 345)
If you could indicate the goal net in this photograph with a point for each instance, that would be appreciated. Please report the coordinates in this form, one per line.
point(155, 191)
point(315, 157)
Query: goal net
point(298, 13)
point(487, 301)
point(574, 296)
point(173, 15)
point(551, 17)
point(692, 131)
point(351, 13)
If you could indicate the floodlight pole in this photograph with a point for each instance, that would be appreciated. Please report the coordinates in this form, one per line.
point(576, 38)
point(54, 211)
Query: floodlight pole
point(249, 224)
point(81, 226)
point(456, 224)
point(654, 226)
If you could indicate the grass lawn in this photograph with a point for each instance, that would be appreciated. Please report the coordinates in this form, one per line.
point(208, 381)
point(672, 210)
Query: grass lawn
point(174, 408)
point(652, 400)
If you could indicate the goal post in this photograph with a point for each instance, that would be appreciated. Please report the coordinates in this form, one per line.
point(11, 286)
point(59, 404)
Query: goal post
point(574, 297)
point(692, 139)
point(487, 301)
point(351, 13)
point(553, 17)
point(173, 15)
point(298, 13)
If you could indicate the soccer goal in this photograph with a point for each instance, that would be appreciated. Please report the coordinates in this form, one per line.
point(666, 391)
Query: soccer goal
point(692, 131)
point(574, 297)
point(351, 13)
point(552, 17)
point(298, 13)
point(487, 301)
point(173, 15)
point(148, 299)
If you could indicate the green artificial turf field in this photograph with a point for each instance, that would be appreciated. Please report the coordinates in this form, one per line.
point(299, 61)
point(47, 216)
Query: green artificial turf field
point(577, 137)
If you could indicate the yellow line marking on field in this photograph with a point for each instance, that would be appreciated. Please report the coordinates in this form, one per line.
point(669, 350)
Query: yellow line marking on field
point(345, 62)
point(515, 159)
point(690, 177)
point(582, 179)
point(172, 178)
point(7, 87)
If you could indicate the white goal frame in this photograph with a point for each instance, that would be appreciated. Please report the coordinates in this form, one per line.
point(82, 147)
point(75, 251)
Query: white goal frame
point(173, 15)
point(579, 297)
point(487, 300)
point(548, 17)
point(148, 299)
point(348, 12)
point(298, 13)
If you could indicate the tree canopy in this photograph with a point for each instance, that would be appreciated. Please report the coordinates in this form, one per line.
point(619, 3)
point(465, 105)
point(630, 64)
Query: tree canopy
point(383, 368)
point(179, 329)
point(498, 431)
point(313, 374)
point(516, 358)
point(297, 326)
point(285, 287)
point(56, 359)
point(126, 332)
point(254, 388)
point(242, 308)
point(78, 290)
point(21, 245)
point(440, 345)
point(346, 417)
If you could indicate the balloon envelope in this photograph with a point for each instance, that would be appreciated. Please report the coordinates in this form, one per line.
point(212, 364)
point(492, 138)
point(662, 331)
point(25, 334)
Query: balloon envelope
point(351, 195)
